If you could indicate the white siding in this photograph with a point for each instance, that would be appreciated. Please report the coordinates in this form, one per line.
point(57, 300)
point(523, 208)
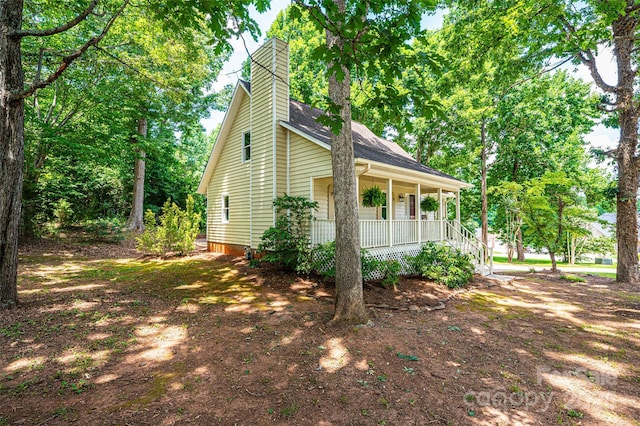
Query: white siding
point(307, 160)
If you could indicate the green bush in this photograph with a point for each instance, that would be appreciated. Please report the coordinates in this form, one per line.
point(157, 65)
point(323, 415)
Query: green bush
point(105, 230)
point(176, 232)
point(63, 213)
point(391, 273)
point(322, 259)
point(443, 265)
point(288, 243)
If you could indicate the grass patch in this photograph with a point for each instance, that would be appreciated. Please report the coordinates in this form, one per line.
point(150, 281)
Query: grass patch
point(544, 263)
point(491, 303)
point(612, 275)
point(572, 278)
point(172, 279)
point(630, 296)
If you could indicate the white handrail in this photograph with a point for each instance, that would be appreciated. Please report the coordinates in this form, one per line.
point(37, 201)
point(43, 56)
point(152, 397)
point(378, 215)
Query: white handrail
point(461, 238)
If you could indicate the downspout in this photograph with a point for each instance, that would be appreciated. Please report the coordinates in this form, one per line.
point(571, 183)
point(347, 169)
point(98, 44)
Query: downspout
point(288, 162)
point(367, 168)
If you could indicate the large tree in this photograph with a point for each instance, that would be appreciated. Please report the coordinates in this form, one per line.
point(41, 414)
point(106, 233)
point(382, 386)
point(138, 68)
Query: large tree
point(539, 126)
point(12, 95)
point(94, 20)
point(372, 36)
point(579, 30)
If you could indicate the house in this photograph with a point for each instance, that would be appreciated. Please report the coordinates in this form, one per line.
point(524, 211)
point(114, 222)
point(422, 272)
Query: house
point(270, 145)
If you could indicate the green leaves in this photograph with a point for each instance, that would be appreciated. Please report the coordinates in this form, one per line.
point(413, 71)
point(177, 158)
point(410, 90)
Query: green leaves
point(288, 243)
point(443, 264)
point(176, 232)
point(407, 357)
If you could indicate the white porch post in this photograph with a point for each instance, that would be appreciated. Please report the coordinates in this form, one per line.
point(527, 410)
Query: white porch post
point(311, 227)
point(458, 209)
point(418, 214)
point(440, 213)
point(389, 211)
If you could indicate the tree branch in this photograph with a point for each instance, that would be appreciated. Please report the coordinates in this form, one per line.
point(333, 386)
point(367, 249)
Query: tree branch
point(68, 60)
point(588, 59)
point(632, 8)
point(323, 19)
point(64, 27)
point(140, 72)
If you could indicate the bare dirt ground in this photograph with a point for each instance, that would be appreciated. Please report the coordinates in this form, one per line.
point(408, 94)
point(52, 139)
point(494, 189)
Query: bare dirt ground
point(104, 336)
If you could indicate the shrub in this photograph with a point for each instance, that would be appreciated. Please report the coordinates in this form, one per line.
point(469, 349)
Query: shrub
point(443, 265)
point(63, 212)
point(288, 242)
point(391, 269)
point(323, 259)
point(176, 232)
point(105, 230)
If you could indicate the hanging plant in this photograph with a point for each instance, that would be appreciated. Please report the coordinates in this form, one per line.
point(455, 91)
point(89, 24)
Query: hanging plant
point(429, 204)
point(373, 197)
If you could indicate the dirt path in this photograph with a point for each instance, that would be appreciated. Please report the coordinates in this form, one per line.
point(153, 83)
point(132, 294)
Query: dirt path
point(103, 337)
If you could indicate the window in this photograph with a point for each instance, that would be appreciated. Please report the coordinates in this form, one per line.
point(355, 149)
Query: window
point(246, 147)
point(225, 208)
point(383, 208)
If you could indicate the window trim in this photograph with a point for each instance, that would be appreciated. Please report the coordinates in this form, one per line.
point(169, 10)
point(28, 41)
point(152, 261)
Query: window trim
point(246, 147)
point(383, 208)
point(225, 211)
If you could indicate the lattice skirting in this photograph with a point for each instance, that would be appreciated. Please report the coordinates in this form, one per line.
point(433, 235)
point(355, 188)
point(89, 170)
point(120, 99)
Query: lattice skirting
point(399, 253)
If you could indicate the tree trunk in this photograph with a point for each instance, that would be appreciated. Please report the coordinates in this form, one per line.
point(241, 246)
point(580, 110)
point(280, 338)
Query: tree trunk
point(519, 245)
point(136, 218)
point(11, 149)
point(554, 265)
point(627, 214)
point(420, 142)
point(483, 185)
point(349, 298)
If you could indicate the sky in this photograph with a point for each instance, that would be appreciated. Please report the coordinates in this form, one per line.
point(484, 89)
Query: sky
point(600, 137)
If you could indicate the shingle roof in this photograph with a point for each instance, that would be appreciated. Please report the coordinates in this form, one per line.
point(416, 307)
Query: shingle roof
point(366, 145)
point(246, 84)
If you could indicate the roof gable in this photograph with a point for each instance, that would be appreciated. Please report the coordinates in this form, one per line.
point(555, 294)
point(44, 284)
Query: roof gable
point(241, 90)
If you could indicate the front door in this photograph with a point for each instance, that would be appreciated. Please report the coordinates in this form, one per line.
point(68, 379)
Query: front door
point(412, 206)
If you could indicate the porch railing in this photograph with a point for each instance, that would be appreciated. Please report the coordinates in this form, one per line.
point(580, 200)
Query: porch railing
point(322, 231)
point(376, 233)
point(405, 231)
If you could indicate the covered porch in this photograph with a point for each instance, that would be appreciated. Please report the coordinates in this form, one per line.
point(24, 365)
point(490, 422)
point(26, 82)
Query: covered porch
point(399, 222)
